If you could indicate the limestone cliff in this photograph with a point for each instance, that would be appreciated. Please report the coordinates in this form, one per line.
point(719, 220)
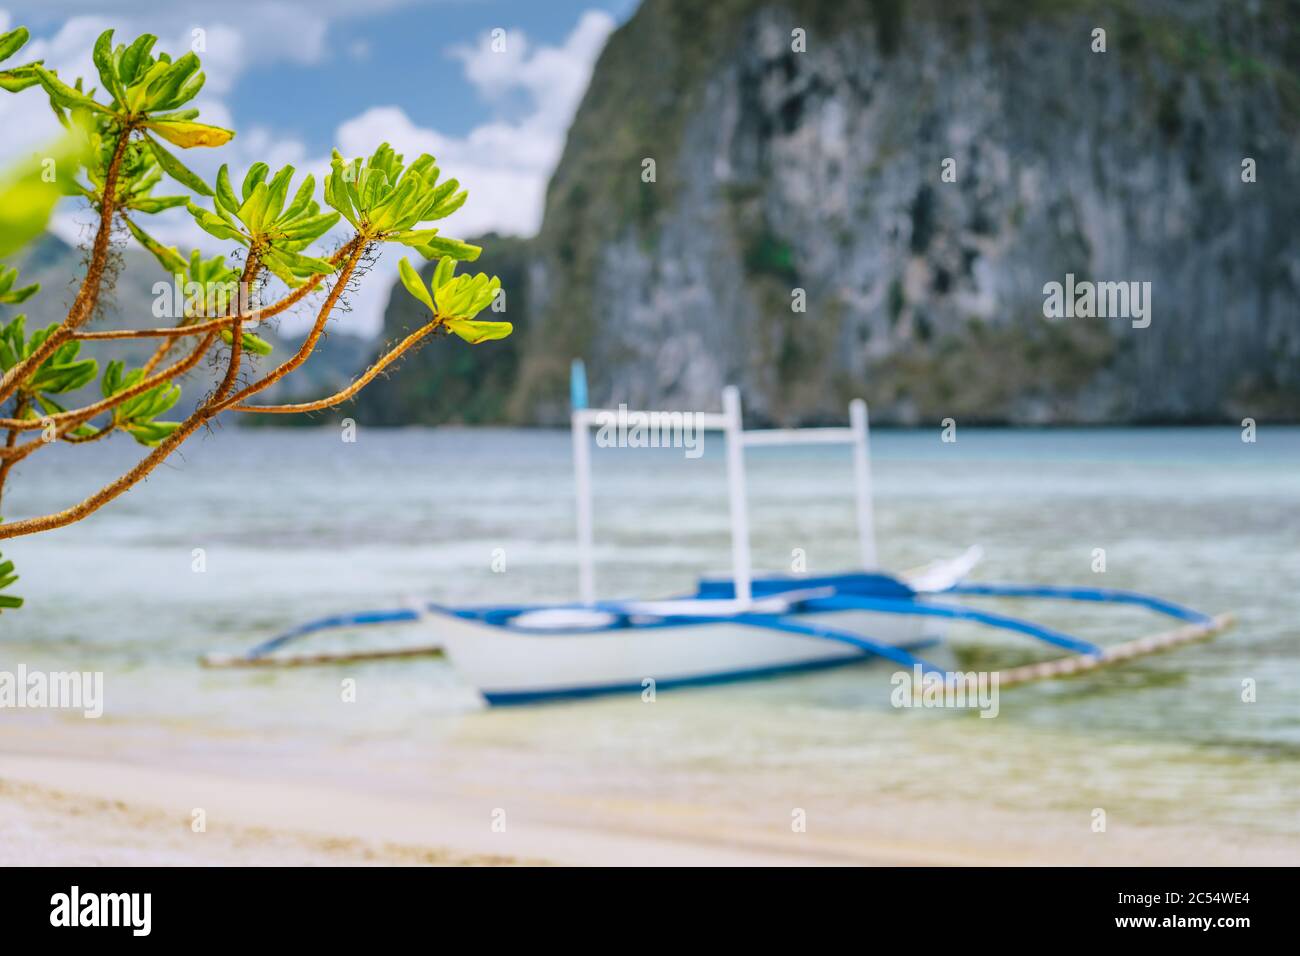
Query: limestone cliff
point(778, 170)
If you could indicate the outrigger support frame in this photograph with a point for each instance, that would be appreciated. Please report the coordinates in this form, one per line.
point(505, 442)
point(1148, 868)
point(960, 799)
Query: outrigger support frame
point(731, 424)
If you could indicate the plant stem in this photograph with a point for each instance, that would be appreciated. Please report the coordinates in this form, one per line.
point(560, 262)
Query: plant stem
point(309, 343)
point(88, 295)
point(342, 396)
point(12, 437)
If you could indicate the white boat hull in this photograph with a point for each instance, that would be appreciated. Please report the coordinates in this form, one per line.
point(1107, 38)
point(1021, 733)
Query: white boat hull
point(511, 666)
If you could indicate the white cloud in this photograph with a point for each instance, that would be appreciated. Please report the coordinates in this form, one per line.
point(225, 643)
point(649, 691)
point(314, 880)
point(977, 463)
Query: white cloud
point(554, 77)
point(503, 163)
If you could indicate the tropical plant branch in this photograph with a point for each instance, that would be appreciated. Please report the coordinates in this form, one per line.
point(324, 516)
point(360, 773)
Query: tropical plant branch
point(87, 439)
point(9, 459)
point(83, 306)
point(203, 414)
point(77, 416)
point(110, 491)
point(357, 249)
point(136, 107)
point(211, 325)
point(342, 396)
point(236, 337)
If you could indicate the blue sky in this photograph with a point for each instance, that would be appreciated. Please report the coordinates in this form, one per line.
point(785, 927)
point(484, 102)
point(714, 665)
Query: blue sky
point(407, 52)
point(296, 78)
point(404, 49)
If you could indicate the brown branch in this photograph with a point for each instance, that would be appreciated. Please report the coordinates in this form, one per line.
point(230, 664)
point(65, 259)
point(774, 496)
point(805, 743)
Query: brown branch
point(159, 354)
point(201, 415)
point(106, 494)
point(78, 415)
point(358, 385)
point(246, 280)
point(357, 247)
point(83, 306)
point(87, 439)
point(197, 418)
point(181, 331)
point(10, 459)
point(232, 369)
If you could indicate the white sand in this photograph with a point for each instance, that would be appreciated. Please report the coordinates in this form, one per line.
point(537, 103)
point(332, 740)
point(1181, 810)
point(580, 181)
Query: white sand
point(74, 810)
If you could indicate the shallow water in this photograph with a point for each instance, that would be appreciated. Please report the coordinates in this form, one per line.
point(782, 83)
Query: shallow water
point(297, 524)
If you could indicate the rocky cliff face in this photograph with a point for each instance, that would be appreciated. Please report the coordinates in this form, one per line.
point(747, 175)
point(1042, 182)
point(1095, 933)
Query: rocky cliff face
point(821, 173)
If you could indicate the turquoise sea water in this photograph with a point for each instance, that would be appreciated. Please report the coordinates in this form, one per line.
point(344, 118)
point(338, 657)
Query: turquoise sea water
point(295, 524)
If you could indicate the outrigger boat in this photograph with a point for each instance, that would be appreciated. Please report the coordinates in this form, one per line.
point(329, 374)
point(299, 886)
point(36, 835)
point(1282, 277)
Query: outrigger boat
point(737, 627)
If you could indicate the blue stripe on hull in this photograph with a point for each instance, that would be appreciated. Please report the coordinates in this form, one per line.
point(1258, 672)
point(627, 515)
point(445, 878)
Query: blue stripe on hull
point(512, 698)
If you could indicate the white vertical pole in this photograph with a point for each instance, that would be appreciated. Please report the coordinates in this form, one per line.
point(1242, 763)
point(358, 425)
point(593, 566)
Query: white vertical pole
point(582, 486)
point(862, 483)
point(740, 565)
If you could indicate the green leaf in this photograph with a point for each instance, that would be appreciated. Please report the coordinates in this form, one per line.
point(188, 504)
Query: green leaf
point(63, 377)
point(103, 57)
point(134, 57)
point(311, 227)
point(150, 434)
point(20, 78)
point(253, 212)
point(336, 192)
point(12, 42)
point(169, 258)
point(174, 85)
point(174, 168)
point(448, 206)
point(414, 284)
point(475, 332)
point(63, 95)
point(302, 198)
point(155, 204)
point(21, 295)
point(27, 199)
point(443, 272)
point(438, 246)
point(49, 406)
point(214, 225)
point(225, 193)
point(465, 296)
point(7, 577)
point(248, 341)
point(111, 383)
point(25, 209)
point(8, 294)
point(278, 189)
point(304, 265)
point(174, 116)
point(256, 174)
point(413, 237)
point(280, 269)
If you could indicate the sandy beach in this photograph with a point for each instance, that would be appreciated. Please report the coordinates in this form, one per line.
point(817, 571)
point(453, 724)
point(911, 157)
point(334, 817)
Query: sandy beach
point(80, 810)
